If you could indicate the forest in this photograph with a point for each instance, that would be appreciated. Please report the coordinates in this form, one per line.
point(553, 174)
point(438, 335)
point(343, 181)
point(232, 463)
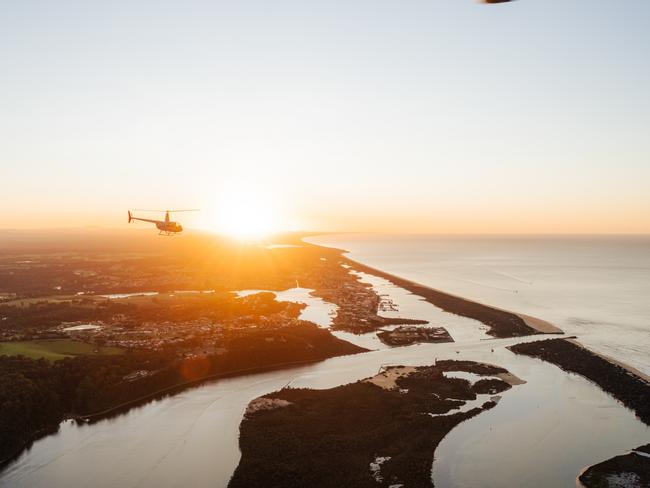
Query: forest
point(36, 395)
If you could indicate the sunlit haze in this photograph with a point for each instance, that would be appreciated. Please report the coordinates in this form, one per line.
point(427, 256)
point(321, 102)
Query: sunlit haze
point(424, 116)
point(244, 211)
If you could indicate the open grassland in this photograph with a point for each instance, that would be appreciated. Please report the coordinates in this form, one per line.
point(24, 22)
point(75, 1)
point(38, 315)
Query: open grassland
point(55, 349)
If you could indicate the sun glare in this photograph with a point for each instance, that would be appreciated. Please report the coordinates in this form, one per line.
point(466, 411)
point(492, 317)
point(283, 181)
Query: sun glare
point(245, 214)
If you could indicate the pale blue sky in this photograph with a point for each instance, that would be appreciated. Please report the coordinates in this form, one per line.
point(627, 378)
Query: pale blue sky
point(421, 116)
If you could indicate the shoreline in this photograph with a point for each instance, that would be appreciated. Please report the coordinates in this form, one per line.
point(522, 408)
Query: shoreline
point(613, 361)
point(539, 325)
point(542, 326)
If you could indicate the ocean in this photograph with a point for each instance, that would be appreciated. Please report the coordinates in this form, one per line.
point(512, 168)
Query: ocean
point(594, 287)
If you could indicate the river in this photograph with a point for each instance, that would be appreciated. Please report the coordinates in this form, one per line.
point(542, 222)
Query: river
point(540, 434)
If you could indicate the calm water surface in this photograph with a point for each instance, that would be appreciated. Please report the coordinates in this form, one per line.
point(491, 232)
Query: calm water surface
point(541, 433)
point(595, 287)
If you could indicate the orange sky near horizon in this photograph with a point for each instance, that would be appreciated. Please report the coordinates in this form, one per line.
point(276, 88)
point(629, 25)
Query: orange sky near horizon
point(436, 117)
point(396, 221)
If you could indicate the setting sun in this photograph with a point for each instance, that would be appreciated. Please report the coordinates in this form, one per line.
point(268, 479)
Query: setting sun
point(245, 213)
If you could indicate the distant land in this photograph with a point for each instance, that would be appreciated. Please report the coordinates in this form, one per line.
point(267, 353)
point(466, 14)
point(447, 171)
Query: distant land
point(94, 324)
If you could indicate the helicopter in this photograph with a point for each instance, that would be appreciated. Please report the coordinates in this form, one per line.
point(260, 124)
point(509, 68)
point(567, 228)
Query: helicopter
point(165, 227)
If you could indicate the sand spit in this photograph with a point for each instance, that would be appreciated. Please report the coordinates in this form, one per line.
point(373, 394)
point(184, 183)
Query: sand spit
point(480, 311)
point(629, 369)
point(510, 378)
point(387, 379)
point(538, 324)
point(263, 403)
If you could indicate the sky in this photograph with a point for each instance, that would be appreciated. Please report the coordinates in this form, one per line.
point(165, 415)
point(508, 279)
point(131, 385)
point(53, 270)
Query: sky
point(436, 116)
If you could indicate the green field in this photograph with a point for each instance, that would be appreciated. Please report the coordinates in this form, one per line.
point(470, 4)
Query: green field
point(54, 349)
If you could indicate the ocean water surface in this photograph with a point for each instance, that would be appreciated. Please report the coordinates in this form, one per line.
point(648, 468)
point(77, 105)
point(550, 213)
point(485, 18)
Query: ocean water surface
point(594, 287)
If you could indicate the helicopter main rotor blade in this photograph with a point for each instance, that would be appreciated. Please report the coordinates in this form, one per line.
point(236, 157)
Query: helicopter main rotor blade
point(163, 211)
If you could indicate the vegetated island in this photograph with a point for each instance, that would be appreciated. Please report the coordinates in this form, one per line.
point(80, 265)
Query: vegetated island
point(409, 334)
point(381, 431)
point(630, 470)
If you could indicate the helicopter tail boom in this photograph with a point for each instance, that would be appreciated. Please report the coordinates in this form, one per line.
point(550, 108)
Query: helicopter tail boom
point(132, 218)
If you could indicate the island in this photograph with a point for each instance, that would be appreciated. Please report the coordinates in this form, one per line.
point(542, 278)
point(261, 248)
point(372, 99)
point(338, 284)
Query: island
point(629, 470)
point(409, 334)
point(381, 431)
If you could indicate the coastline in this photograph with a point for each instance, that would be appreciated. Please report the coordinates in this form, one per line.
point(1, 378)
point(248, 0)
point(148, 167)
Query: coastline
point(540, 325)
point(613, 361)
point(537, 325)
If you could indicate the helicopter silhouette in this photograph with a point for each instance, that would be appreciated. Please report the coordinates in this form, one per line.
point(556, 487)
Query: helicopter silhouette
point(165, 227)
